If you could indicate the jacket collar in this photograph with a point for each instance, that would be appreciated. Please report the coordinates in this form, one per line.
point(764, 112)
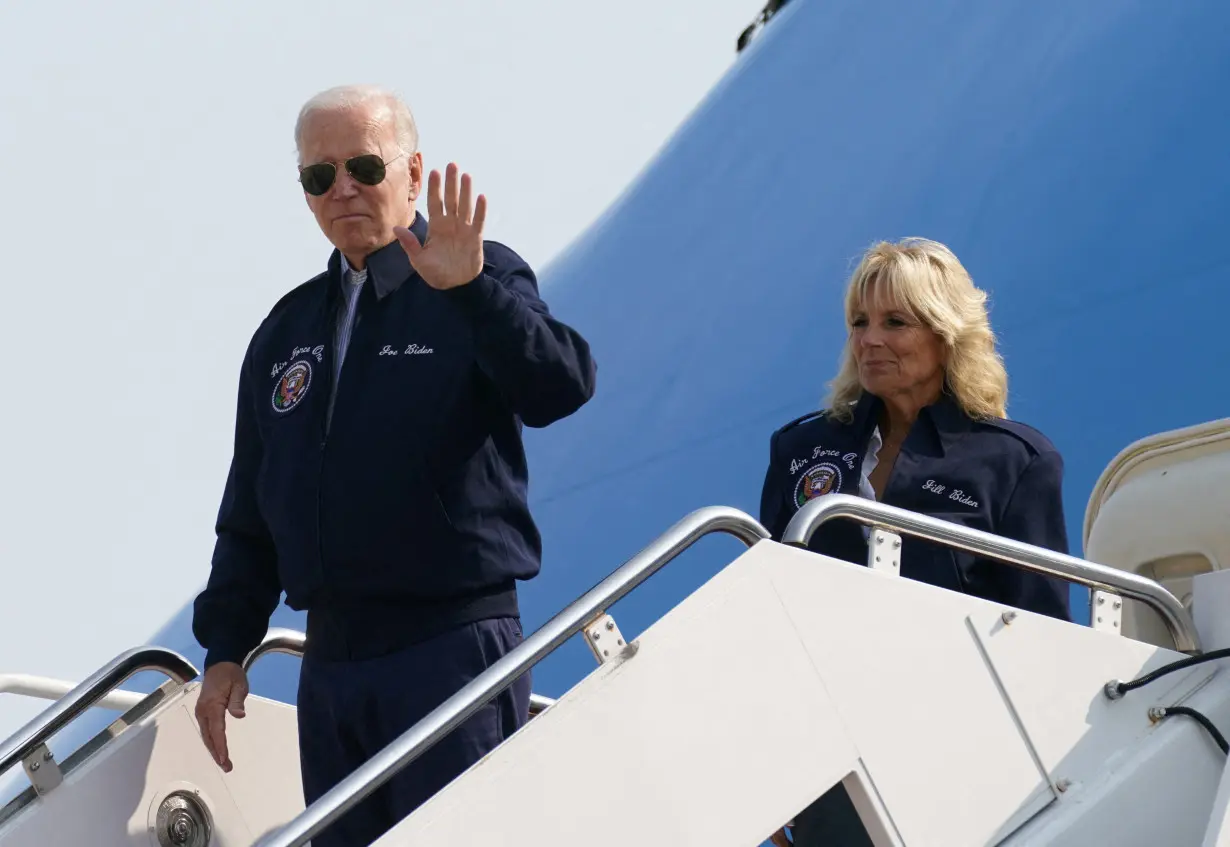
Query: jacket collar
point(387, 268)
point(938, 428)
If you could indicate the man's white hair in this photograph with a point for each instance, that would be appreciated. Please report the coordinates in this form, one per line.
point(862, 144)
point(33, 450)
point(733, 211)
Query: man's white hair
point(370, 96)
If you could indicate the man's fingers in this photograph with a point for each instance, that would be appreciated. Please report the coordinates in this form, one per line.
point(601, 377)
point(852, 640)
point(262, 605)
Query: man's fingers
point(435, 206)
point(480, 214)
point(217, 734)
point(409, 241)
point(235, 704)
point(450, 190)
point(224, 689)
point(212, 716)
point(466, 203)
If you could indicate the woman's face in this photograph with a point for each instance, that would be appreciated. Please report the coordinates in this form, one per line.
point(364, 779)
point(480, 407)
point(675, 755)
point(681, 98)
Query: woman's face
point(895, 352)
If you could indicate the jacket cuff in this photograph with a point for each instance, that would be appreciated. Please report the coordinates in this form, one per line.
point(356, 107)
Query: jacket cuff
point(481, 295)
point(225, 653)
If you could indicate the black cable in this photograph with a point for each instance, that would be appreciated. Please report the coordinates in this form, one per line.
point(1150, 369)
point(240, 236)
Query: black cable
point(1167, 711)
point(1121, 688)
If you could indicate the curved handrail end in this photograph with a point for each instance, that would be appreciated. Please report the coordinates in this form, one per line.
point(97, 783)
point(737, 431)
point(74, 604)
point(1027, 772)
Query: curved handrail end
point(277, 640)
point(88, 692)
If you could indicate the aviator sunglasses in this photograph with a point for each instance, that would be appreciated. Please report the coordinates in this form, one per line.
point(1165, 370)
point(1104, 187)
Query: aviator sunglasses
point(368, 169)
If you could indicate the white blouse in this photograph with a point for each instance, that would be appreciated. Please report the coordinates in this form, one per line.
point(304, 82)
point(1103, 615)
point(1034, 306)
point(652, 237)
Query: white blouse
point(870, 460)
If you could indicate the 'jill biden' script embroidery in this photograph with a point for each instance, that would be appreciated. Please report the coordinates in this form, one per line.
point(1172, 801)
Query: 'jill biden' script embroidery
point(958, 495)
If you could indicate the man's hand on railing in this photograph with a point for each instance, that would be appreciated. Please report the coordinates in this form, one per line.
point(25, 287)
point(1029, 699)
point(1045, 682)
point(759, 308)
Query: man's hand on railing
point(223, 690)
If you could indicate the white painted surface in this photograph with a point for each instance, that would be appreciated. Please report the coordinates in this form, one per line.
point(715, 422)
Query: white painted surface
point(1159, 510)
point(1211, 608)
point(1218, 833)
point(110, 800)
point(789, 671)
point(660, 748)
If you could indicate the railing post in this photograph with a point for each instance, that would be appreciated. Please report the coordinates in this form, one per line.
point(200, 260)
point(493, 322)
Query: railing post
point(1106, 611)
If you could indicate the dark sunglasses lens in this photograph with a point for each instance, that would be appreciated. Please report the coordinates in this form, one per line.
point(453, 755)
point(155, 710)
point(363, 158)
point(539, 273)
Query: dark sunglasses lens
point(316, 179)
point(368, 170)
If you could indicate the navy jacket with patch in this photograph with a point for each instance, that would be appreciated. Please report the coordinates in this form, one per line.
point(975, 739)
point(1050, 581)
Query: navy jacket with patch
point(995, 475)
point(407, 514)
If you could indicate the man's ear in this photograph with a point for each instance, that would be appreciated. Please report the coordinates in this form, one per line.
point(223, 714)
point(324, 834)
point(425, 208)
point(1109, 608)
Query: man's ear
point(416, 175)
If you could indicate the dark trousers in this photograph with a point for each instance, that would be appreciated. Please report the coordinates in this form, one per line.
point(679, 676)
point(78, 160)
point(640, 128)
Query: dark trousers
point(831, 821)
point(350, 710)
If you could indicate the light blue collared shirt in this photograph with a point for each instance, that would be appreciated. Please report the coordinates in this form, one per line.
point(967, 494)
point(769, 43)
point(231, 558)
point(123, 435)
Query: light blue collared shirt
point(352, 286)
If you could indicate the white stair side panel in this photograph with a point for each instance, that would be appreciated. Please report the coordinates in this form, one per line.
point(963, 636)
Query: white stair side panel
point(1155, 791)
point(1218, 832)
point(910, 682)
point(264, 746)
point(716, 731)
point(110, 800)
point(1074, 728)
point(781, 675)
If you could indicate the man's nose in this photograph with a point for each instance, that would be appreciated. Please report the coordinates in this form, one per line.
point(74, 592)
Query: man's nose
point(344, 184)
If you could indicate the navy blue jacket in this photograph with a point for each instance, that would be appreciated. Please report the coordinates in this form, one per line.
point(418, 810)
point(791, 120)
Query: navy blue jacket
point(408, 514)
point(995, 475)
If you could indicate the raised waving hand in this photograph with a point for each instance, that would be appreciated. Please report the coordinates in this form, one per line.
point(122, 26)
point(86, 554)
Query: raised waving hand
point(453, 253)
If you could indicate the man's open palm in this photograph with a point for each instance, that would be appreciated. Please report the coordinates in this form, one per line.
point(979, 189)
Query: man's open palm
point(453, 254)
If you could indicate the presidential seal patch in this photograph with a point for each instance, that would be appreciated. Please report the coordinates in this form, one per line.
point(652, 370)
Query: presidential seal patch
point(292, 387)
point(816, 481)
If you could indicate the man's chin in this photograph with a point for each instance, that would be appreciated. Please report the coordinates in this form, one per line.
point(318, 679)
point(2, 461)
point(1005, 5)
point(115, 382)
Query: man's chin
point(360, 243)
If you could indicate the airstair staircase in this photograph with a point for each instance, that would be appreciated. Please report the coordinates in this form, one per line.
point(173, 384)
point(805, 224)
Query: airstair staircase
point(948, 719)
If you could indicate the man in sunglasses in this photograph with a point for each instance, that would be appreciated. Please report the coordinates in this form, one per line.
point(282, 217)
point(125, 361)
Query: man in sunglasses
point(378, 476)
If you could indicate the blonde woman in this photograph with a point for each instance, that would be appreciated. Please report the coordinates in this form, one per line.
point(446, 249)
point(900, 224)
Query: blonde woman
point(916, 419)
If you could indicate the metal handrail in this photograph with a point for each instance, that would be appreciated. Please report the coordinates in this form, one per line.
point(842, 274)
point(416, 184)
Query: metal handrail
point(479, 691)
point(1026, 556)
point(291, 642)
point(89, 692)
point(47, 688)
point(277, 640)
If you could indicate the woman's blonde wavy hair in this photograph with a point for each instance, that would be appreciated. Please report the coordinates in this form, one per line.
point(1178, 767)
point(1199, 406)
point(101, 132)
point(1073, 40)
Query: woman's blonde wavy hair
point(926, 279)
